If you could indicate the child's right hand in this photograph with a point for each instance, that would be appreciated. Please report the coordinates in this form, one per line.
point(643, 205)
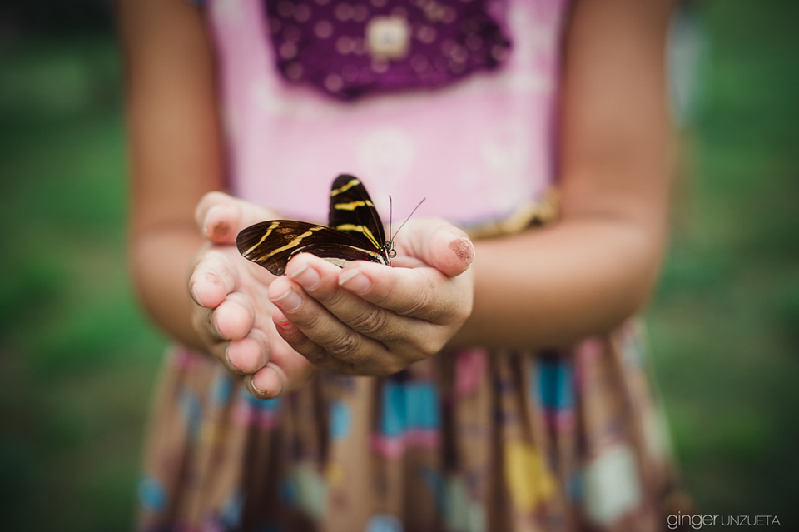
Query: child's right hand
point(233, 312)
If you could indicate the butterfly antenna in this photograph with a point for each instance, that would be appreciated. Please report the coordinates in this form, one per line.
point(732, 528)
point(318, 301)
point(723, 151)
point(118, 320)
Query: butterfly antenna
point(406, 220)
point(390, 213)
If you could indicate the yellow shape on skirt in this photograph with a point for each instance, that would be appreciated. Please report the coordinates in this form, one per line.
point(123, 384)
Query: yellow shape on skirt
point(528, 479)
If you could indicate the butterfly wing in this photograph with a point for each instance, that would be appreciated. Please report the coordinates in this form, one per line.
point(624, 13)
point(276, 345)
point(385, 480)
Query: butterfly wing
point(272, 244)
point(352, 212)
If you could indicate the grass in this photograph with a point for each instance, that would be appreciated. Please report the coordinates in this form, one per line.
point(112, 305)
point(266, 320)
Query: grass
point(725, 321)
point(77, 360)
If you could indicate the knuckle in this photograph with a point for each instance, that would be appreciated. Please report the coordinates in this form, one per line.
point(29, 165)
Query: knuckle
point(394, 365)
point(307, 321)
point(225, 271)
point(313, 354)
point(430, 346)
point(426, 351)
point(331, 298)
point(419, 302)
point(461, 311)
point(346, 347)
point(370, 322)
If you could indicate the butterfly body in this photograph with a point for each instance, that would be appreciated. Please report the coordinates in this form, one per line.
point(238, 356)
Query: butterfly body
point(355, 233)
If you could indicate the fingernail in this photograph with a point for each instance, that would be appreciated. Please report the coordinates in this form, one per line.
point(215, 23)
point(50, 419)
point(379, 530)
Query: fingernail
point(217, 229)
point(256, 391)
point(227, 359)
point(286, 325)
point(289, 301)
point(463, 248)
point(193, 292)
point(267, 391)
point(216, 331)
point(356, 282)
point(307, 277)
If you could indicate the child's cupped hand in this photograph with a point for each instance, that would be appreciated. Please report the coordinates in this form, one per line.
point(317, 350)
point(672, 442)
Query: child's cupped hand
point(369, 319)
point(365, 319)
point(233, 311)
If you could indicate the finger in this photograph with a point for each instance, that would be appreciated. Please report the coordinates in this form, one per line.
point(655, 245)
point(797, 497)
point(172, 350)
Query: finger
point(320, 280)
point(267, 383)
point(300, 343)
point(438, 244)
point(380, 363)
point(323, 335)
point(215, 346)
point(205, 324)
point(213, 278)
point(220, 217)
point(234, 317)
point(225, 314)
point(232, 320)
point(423, 293)
point(244, 356)
point(286, 371)
point(249, 354)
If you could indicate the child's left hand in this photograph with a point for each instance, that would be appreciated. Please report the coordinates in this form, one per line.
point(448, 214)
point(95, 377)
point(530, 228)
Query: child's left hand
point(369, 319)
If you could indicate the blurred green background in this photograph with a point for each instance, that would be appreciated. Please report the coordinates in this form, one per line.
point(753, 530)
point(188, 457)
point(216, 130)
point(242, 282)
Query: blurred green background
point(78, 360)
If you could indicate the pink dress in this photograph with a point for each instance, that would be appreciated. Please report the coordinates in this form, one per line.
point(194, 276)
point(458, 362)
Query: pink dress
point(468, 441)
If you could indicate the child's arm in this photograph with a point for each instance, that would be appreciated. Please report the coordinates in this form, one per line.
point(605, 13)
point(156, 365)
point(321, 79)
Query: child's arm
point(599, 264)
point(584, 275)
point(176, 151)
point(549, 287)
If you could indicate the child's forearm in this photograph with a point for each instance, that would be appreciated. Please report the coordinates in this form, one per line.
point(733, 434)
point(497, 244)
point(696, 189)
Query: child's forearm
point(554, 286)
point(160, 260)
point(597, 267)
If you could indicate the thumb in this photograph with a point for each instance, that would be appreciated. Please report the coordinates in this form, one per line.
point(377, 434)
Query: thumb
point(438, 244)
point(220, 217)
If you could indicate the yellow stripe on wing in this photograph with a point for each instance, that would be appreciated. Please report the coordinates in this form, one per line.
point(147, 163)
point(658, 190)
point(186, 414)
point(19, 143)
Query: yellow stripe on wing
point(351, 206)
point(363, 230)
point(351, 183)
point(293, 244)
point(369, 252)
point(266, 235)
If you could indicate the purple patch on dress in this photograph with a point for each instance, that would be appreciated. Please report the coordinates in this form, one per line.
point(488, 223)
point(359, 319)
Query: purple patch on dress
point(349, 49)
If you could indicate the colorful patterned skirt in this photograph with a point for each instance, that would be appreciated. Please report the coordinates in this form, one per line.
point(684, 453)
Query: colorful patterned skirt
point(468, 441)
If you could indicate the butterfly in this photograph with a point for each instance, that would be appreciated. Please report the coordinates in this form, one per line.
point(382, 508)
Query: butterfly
point(355, 233)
